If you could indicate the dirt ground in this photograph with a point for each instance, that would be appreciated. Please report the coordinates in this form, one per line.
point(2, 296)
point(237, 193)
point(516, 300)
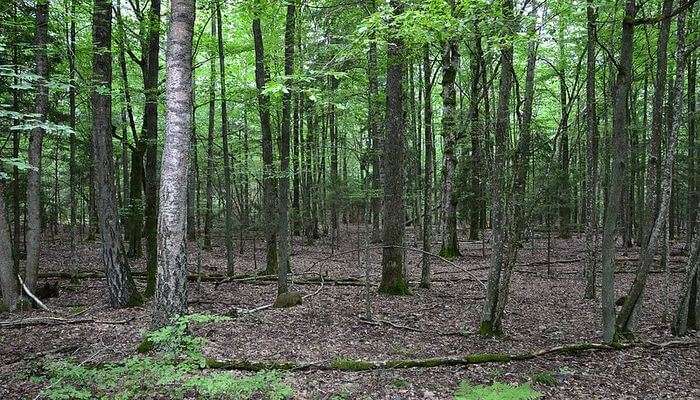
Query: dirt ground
point(546, 309)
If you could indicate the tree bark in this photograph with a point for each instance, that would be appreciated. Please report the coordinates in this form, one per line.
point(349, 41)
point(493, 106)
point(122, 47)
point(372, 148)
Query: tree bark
point(591, 152)
point(209, 213)
point(688, 309)
point(283, 187)
point(693, 193)
point(620, 92)
point(34, 224)
point(428, 174)
point(393, 279)
point(450, 65)
point(120, 284)
point(269, 190)
point(228, 200)
point(171, 281)
point(150, 135)
point(8, 278)
point(635, 294)
point(374, 121)
point(476, 203)
point(499, 246)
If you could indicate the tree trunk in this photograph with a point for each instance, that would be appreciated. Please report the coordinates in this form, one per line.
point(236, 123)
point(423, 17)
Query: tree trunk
point(687, 311)
point(228, 200)
point(620, 91)
point(476, 203)
point(635, 294)
point(693, 194)
point(8, 277)
point(36, 138)
point(209, 213)
point(171, 281)
point(283, 188)
point(428, 177)
point(499, 241)
point(120, 284)
point(393, 279)
point(591, 152)
point(71, 139)
point(450, 64)
point(374, 121)
point(269, 191)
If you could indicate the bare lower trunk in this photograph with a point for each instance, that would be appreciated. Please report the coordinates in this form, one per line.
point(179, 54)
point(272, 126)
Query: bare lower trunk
point(635, 295)
point(499, 241)
point(612, 209)
point(591, 154)
point(269, 191)
point(120, 284)
point(8, 278)
point(228, 199)
point(171, 281)
point(393, 278)
point(428, 177)
point(283, 195)
point(33, 239)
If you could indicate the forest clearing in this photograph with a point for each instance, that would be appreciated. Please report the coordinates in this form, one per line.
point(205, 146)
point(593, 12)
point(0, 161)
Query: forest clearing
point(366, 199)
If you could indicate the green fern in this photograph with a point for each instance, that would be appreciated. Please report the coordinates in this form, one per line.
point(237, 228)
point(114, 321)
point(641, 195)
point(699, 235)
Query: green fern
point(497, 391)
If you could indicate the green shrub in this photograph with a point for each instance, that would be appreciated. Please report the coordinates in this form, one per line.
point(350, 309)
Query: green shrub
point(496, 391)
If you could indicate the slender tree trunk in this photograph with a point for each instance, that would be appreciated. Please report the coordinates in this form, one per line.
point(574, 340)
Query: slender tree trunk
point(269, 191)
point(450, 65)
point(283, 187)
point(653, 162)
point(499, 241)
point(36, 138)
point(518, 215)
point(393, 278)
point(71, 139)
point(120, 284)
point(620, 91)
point(591, 152)
point(209, 213)
point(687, 310)
point(693, 194)
point(635, 294)
point(228, 200)
point(428, 174)
point(475, 205)
point(171, 281)
point(8, 278)
point(373, 119)
point(16, 192)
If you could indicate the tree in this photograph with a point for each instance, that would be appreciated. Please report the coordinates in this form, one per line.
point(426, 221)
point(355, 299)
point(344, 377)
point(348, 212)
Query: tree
point(228, 199)
point(623, 323)
point(393, 278)
point(171, 282)
point(283, 187)
point(612, 210)
point(269, 183)
point(36, 138)
point(499, 243)
point(374, 122)
point(428, 172)
point(591, 151)
point(8, 279)
point(450, 65)
point(120, 284)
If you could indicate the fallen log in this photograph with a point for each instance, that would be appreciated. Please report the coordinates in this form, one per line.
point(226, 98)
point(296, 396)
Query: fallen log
point(356, 365)
point(18, 323)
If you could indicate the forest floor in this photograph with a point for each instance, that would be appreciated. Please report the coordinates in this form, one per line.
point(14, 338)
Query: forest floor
point(546, 309)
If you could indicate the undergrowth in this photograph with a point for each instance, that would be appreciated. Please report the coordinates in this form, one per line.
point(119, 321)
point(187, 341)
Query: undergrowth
point(172, 371)
point(496, 391)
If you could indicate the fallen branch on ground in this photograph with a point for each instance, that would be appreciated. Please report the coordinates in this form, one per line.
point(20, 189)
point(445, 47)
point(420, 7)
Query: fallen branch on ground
point(345, 364)
point(30, 294)
point(57, 321)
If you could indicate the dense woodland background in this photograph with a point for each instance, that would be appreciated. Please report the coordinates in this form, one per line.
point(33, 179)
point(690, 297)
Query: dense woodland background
point(213, 145)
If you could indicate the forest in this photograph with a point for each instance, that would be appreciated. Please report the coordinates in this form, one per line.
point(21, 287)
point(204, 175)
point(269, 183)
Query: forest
point(349, 199)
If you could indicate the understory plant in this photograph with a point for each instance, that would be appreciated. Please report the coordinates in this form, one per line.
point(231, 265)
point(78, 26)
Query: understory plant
point(495, 391)
point(173, 370)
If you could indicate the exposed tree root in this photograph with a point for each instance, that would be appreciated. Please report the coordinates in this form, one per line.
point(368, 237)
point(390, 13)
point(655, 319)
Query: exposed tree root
point(346, 364)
